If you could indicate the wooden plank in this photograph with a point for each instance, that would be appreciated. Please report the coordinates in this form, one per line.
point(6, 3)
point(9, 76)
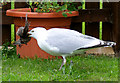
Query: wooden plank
point(92, 5)
point(0, 34)
point(92, 29)
point(116, 26)
point(76, 26)
point(101, 50)
point(107, 5)
point(6, 33)
point(107, 31)
point(17, 5)
point(0, 15)
point(20, 5)
point(118, 36)
point(6, 19)
point(93, 15)
point(92, 26)
point(107, 26)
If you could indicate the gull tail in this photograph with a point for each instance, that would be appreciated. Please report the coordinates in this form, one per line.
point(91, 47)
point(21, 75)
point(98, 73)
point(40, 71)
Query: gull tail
point(102, 44)
point(108, 44)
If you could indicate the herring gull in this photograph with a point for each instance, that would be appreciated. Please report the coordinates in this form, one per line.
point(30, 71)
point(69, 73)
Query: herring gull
point(63, 42)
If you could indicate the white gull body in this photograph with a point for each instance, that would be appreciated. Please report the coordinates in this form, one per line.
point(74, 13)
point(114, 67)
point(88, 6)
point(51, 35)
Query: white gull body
point(63, 42)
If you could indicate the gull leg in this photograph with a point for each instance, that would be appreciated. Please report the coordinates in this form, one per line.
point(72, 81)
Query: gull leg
point(63, 63)
point(71, 65)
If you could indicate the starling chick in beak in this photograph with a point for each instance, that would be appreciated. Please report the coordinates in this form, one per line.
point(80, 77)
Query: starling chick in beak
point(23, 33)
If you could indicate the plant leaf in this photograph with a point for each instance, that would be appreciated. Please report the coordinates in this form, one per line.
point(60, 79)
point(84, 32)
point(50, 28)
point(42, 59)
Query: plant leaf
point(64, 14)
point(64, 7)
point(79, 7)
point(70, 12)
point(58, 10)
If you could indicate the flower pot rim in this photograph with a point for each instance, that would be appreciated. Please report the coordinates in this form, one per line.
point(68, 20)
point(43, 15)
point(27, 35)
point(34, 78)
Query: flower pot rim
point(21, 12)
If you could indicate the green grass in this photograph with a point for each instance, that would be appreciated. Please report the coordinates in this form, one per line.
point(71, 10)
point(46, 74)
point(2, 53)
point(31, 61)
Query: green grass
point(85, 68)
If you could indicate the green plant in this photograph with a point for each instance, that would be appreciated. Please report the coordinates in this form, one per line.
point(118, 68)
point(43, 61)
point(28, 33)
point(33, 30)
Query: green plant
point(48, 7)
point(8, 50)
point(2, 3)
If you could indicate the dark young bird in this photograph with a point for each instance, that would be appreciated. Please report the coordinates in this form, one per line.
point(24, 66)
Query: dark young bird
point(22, 32)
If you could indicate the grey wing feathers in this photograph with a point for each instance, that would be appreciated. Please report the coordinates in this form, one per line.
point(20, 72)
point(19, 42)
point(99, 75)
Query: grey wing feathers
point(68, 40)
point(20, 31)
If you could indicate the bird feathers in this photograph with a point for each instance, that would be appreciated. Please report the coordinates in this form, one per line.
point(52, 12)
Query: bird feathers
point(22, 32)
point(69, 40)
point(63, 41)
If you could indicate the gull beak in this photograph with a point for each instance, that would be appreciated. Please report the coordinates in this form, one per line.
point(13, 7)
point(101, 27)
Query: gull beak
point(29, 34)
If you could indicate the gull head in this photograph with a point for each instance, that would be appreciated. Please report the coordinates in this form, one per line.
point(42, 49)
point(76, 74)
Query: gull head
point(35, 32)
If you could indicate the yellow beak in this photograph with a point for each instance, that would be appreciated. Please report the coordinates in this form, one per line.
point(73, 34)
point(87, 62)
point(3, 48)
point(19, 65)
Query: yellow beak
point(29, 33)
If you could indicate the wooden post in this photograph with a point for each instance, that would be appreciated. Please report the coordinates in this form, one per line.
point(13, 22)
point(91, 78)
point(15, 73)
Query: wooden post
point(89, 29)
point(116, 26)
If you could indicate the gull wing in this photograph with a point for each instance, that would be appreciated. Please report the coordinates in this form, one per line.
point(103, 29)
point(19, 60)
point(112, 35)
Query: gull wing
point(68, 41)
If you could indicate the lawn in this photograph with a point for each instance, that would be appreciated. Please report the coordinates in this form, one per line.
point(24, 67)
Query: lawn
point(85, 68)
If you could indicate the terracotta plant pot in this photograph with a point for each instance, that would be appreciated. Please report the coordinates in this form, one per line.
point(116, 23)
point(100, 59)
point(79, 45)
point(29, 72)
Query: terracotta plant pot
point(46, 20)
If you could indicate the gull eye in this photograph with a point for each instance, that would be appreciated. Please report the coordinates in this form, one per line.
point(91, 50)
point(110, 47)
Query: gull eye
point(32, 31)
